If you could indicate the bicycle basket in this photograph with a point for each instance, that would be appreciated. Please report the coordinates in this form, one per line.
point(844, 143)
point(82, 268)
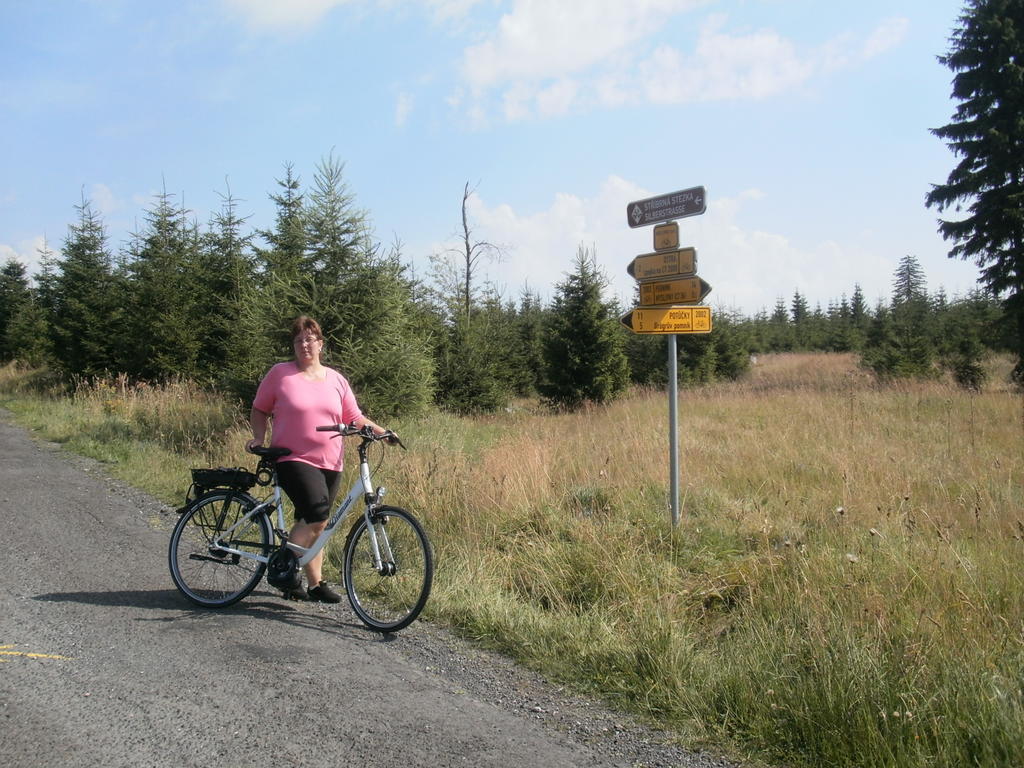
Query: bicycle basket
point(235, 478)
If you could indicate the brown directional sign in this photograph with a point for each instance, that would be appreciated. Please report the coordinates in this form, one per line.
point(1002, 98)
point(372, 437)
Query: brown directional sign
point(652, 266)
point(667, 320)
point(666, 236)
point(674, 205)
point(686, 290)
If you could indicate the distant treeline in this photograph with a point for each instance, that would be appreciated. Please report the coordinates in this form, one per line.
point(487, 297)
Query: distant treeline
point(213, 303)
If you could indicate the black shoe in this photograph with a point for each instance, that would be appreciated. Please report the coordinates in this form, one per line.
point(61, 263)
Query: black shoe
point(324, 594)
point(295, 593)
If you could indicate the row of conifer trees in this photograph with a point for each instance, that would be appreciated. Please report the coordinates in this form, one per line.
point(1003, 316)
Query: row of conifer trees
point(213, 303)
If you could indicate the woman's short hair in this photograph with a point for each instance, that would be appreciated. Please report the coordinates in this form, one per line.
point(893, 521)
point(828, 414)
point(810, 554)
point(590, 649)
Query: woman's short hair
point(305, 323)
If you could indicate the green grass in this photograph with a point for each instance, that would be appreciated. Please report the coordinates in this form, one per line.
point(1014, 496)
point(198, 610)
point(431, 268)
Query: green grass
point(845, 587)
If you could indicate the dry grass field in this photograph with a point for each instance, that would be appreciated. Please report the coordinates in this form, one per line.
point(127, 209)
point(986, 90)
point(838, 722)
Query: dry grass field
point(845, 586)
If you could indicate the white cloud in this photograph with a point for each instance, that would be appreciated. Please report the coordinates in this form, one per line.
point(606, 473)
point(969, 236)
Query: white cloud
point(752, 66)
point(540, 39)
point(27, 252)
point(557, 98)
point(403, 108)
point(446, 10)
point(888, 34)
point(272, 15)
point(547, 59)
point(103, 199)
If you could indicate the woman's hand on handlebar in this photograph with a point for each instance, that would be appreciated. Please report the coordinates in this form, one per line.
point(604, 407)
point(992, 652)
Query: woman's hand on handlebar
point(254, 443)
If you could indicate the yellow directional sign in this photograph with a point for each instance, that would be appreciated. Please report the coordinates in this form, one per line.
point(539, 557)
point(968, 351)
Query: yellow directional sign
point(652, 266)
point(686, 290)
point(668, 320)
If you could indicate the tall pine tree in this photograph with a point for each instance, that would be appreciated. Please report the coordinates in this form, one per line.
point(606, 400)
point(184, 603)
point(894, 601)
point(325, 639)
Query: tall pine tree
point(161, 337)
point(987, 133)
point(286, 256)
point(86, 300)
point(14, 296)
point(225, 268)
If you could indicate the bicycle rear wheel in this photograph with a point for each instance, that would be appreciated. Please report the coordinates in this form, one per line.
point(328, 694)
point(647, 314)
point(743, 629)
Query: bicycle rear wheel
point(213, 576)
point(390, 597)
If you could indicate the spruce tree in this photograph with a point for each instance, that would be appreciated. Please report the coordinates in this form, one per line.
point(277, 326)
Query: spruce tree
point(909, 283)
point(162, 336)
point(962, 327)
point(470, 375)
point(782, 337)
point(529, 351)
point(286, 257)
point(224, 270)
point(15, 299)
point(800, 313)
point(986, 133)
point(34, 328)
point(881, 348)
point(860, 318)
point(376, 336)
point(86, 300)
point(911, 317)
point(337, 235)
point(14, 296)
point(732, 345)
point(583, 346)
point(840, 327)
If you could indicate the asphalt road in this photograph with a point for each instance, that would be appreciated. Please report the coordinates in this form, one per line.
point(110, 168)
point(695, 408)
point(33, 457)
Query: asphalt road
point(103, 663)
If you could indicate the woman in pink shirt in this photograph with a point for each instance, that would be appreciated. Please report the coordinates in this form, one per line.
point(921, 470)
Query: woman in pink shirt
point(297, 397)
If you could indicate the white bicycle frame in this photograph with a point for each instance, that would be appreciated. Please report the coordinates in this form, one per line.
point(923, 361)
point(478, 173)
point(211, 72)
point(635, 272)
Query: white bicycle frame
point(362, 487)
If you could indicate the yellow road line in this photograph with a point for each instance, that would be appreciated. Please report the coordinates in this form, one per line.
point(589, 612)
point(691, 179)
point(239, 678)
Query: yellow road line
point(28, 655)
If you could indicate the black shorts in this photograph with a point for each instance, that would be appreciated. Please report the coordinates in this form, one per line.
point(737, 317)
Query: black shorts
point(310, 489)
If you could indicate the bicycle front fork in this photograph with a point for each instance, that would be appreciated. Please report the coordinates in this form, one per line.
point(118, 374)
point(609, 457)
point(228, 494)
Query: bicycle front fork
point(383, 557)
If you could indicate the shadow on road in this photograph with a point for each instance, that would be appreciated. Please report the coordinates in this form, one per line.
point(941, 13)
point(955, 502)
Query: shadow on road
point(261, 605)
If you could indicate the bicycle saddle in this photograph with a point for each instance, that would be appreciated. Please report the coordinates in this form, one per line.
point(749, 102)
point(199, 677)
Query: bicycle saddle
point(271, 453)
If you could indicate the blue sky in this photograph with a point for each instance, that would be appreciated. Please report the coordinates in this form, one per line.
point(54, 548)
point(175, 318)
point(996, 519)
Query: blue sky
point(807, 123)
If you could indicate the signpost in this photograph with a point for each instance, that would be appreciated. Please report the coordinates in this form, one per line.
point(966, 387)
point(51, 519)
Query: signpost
point(669, 286)
point(674, 205)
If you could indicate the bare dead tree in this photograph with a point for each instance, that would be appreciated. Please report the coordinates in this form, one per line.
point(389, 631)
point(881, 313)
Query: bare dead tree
point(463, 263)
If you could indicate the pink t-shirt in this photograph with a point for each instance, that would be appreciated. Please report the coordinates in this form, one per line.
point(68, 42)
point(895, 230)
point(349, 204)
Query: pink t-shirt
point(298, 406)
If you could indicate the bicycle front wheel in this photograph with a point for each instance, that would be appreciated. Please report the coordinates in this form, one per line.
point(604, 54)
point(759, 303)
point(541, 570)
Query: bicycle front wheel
point(214, 547)
point(388, 593)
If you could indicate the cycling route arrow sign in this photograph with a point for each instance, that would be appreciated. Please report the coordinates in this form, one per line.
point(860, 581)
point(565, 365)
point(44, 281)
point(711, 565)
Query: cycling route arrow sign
point(668, 320)
point(688, 290)
point(653, 266)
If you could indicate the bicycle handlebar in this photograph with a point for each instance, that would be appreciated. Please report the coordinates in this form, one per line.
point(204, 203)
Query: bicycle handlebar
point(366, 432)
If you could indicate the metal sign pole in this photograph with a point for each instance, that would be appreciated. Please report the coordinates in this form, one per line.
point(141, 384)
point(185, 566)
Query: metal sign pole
point(669, 287)
point(673, 428)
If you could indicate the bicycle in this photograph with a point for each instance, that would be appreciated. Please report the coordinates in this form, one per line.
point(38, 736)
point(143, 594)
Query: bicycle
point(224, 542)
